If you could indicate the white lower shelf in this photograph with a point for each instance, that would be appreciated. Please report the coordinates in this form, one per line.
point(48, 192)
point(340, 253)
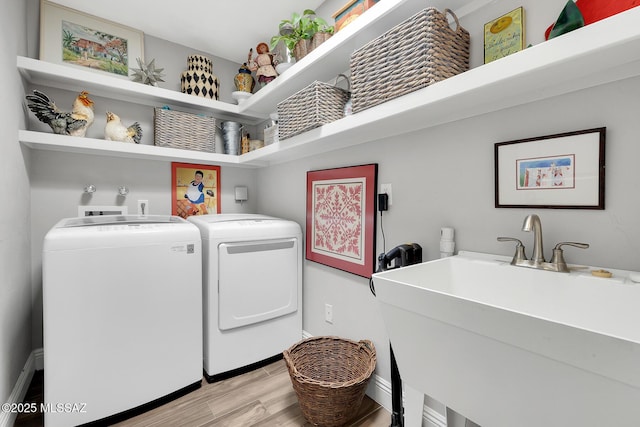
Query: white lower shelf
point(101, 147)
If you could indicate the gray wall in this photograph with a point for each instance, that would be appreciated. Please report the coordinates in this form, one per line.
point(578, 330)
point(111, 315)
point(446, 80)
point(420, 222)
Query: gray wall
point(173, 58)
point(57, 179)
point(15, 283)
point(57, 182)
point(445, 177)
point(442, 176)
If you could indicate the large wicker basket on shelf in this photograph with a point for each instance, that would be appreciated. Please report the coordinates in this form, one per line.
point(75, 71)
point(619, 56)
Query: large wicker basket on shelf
point(329, 376)
point(416, 53)
point(313, 106)
point(177, 129)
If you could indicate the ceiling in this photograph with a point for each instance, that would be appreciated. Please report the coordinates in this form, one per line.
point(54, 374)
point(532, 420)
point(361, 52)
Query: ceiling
point(214, 26)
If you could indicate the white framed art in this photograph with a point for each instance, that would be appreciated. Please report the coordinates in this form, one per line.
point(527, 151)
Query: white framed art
point(562, 171)
point(74, 38)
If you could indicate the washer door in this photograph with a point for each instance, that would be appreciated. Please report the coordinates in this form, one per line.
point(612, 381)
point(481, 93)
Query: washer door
point(257, 281)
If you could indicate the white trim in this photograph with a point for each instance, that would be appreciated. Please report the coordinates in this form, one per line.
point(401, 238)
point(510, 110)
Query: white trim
point(38, 354)
point(379, 390)
point(433, 418)
point(7, 419)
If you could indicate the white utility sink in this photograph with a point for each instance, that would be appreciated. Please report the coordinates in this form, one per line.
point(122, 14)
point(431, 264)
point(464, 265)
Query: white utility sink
point(511, 346)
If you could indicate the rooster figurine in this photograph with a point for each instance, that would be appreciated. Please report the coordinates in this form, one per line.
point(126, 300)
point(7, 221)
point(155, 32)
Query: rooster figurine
point(74, 123)
point(116, 131)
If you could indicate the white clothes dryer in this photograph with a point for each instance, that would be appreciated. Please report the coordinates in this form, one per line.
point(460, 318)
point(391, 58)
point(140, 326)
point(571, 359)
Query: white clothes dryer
point(122, 316)
point(252, 290)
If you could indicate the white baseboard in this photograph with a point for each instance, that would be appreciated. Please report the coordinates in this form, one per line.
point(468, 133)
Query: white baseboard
point(38, 354)
point(34, 362)
point(433, 418)
point(379, 390)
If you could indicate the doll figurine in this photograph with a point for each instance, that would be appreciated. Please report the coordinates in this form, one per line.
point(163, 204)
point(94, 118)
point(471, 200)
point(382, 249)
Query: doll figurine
point(263, 64)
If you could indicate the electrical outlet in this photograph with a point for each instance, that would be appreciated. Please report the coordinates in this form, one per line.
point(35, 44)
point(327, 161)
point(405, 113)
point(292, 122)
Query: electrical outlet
point(143, 207)
point(328, 313)
point(386, 188)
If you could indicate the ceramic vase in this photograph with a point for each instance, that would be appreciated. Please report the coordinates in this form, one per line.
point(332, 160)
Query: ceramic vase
point(244, 81)
point(199, 79)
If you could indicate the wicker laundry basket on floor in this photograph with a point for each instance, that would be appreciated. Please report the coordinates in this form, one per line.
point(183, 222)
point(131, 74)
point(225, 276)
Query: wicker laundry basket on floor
point(330, 376)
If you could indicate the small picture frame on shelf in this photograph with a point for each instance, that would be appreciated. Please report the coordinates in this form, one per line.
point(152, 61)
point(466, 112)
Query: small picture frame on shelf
point(504, 35)
point(195, 189)
point(73, 38)
point(561, 171)
point(350, 11)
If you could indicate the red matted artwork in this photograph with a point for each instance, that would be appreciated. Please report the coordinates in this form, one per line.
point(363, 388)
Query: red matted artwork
point(195, 189)
point(341, 218)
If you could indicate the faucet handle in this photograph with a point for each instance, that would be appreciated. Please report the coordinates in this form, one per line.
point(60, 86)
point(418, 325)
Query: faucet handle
point(519, 255)
point(576, 244)
point(558, 256)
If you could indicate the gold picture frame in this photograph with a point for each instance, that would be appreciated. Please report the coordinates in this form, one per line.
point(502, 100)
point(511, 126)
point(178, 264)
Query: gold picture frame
point(73, 38)
point(504, 35)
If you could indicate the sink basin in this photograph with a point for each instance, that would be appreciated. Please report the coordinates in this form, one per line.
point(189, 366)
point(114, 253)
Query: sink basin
point(508, 346)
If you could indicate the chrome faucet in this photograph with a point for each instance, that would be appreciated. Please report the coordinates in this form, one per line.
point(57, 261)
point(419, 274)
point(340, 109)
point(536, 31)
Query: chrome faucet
point(532, 223)
point(557, 263)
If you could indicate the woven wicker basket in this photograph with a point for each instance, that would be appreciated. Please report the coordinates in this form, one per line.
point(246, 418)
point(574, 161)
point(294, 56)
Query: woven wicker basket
point(315, 105)
point(176, 129)
point(418, 52)
point(329, 376)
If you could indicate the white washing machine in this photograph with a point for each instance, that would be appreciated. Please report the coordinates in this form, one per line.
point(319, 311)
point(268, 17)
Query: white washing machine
point(122, 307)
point(252, 290)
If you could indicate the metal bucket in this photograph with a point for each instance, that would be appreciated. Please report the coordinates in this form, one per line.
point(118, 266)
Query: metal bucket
point(231, 136)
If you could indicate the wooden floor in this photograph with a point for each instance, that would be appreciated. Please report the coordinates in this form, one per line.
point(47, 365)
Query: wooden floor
point(263, 397)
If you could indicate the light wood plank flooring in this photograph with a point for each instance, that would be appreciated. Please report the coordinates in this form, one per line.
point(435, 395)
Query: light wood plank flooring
point(264, 397)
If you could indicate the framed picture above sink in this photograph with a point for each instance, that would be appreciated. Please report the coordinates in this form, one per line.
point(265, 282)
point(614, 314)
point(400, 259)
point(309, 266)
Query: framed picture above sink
point(561, 171)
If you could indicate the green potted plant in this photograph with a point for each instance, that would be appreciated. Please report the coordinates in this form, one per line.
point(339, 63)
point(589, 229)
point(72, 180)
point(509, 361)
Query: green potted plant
point(321, 32)
point(297, 33)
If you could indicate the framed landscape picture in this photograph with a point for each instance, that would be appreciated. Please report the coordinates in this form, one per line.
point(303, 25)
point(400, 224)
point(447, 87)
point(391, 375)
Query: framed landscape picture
point(553, 171)
point(71, 37)
point(341, 218)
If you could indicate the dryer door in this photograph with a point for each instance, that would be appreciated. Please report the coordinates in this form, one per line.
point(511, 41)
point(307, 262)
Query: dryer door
point(257, 281)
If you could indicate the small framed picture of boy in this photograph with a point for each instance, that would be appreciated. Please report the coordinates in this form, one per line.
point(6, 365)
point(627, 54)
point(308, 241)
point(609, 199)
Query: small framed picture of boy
point(195, 189)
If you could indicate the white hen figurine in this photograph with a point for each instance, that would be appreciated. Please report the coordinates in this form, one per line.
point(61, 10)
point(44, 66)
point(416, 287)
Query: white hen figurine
point(116, 131)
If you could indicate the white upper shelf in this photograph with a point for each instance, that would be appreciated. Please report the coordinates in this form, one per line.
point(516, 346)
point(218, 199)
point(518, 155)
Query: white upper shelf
point(332, 57)
point(101, 84)
point(603, 52)
point(600, 53)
